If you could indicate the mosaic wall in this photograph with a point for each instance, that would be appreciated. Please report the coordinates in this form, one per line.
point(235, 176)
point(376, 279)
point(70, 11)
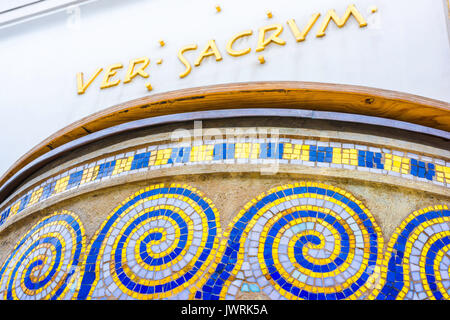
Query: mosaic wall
point(303, 240)
point(45, 260)
point(310, 153)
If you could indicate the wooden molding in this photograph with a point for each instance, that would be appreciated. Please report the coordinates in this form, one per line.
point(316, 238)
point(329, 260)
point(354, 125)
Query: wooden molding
point(280, 94)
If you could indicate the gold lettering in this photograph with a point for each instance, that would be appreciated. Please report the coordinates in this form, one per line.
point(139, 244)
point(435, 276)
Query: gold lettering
point(210, 50)
point(263, 42)
point(111, 72)
point(237, 53)
point(184, 60)
point(332, 15)
point(80, 84)
point(131, 73)
point(301, 36)
point(266, 35)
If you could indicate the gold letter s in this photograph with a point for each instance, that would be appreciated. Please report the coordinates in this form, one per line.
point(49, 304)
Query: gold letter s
point(184, 60)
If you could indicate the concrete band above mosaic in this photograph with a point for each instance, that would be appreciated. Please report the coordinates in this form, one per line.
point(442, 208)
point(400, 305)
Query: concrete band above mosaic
point(310, 153)
point(304, 240)
point(355, 102)
point(30, 168)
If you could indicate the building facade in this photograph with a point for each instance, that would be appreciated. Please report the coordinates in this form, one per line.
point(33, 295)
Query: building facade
point(230, 150)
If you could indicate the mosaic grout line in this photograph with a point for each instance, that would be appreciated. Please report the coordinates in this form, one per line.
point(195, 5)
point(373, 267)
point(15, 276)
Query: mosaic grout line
point(310, 153)
point(303, 240)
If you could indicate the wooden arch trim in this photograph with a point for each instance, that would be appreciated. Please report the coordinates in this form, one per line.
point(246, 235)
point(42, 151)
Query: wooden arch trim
point(280, 94)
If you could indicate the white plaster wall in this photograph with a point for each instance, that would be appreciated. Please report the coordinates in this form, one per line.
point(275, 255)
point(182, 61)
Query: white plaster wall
point(405, 47)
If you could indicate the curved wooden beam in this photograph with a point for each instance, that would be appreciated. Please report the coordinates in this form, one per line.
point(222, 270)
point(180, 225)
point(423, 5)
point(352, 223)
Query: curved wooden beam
point(279, 94)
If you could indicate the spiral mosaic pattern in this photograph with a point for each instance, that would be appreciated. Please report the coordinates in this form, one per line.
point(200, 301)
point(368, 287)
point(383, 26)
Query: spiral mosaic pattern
point(293, 151)
point(302, 241)
point(155, 245)
point(417, 263)
point(45, 264)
